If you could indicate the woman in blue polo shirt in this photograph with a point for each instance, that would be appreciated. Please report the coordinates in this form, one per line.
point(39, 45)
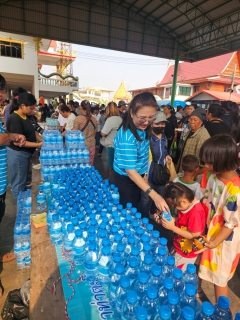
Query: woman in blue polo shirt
point(131, 145)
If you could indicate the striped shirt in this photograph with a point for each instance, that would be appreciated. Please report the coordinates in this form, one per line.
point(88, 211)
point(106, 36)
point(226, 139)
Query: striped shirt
point(129, 153)
point(3, 165)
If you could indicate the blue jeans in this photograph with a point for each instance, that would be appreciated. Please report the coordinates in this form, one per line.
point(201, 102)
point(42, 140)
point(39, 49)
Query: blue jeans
point(18, 163)
point(147, 205)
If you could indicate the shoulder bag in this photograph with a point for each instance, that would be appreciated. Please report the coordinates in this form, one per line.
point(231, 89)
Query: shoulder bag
point(161, 173)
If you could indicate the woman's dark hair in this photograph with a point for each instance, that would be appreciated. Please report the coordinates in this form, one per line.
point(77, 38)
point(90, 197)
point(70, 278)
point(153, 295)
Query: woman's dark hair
point(144, 99)
point(16, 93)
point(65, 108)
point(3, 84)
point(216, 110)
point(220, 151)
point(195, 106)
point(176, 190)
point(25, 98)
point(232, 108)
point(87, 107)
point(169, 108)
point(179, 108)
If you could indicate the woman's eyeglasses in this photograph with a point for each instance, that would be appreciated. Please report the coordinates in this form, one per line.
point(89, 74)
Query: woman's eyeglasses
point(144, 119)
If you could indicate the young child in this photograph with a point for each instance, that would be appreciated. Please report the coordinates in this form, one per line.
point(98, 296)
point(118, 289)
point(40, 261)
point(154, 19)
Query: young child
point(189, 224)
point(222, 203)
point(190, 164)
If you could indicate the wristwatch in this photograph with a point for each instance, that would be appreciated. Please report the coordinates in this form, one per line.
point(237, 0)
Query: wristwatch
point(148, 191)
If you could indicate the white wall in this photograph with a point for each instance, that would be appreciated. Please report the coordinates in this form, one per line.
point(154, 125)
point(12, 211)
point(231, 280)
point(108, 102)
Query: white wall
point(26, 66)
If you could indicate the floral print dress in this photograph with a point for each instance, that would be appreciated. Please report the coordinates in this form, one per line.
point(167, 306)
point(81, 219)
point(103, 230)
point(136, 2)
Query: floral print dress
point(222, 206)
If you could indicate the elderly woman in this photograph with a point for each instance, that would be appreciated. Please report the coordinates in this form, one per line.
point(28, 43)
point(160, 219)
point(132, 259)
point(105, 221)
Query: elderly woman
point(196, 136)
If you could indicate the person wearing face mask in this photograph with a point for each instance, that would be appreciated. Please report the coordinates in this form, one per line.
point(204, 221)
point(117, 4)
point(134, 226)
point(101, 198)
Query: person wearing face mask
point(158, 146)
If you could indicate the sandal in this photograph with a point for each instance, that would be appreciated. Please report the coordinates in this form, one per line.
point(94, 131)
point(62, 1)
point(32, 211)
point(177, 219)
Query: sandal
point(6, 257)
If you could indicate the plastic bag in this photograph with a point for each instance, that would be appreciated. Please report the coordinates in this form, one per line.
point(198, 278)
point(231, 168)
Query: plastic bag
point(13, 308)
point(25, 293)
point(173, 150)
point(172, 171)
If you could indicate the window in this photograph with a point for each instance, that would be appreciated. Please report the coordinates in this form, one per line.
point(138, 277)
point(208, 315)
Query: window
point(168, 92)
point(10, 49)
point(185, 91)
point(160, 92)
point(196, 88)
point(227, 89)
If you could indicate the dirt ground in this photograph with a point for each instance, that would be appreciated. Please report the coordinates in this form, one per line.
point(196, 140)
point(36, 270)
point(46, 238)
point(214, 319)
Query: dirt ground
point(12, 278)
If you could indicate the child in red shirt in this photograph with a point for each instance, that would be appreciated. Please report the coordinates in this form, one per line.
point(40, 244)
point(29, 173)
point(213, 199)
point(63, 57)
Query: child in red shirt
point(189, 224)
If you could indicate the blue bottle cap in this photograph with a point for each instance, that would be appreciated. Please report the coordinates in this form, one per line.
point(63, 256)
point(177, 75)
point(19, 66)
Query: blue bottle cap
point(67, 216)
point(163, 241)
point(138, 215)
point(140, 231)
point(128, 217)
point(171, 260)
point(135, 223)
point(83, 225)
point(223, 302)
point(128, 205)
point(152, 292)
point(146, 246)
point(165, 312)
point(92, 237)
point(168, 283)
point(135, 251)
point(127, 232)
point(131, 296)
point(78, 233)
point(120, 247)
point(51, 207)
point(156, 234)
point(117, 219)
point(144, 238)
point(91, 229)
point(143, 277)
point(237, 316)
point(55, 217)
point(148, 258)
point(119, 206)
point(114, 229)
point(92, 245)
point(131, 239)
point(125, 282)
point(207, 308)
point(117, 237)
point(162, 251)
point(106, 250)
point(156, 270)
point(102, 233)
point(123, 224)
point(145, 220)
point(134, 210)
point(177, 273)
point(119, 268)
point(70, 227)
point(173, 298)
point(188, 313)
point(117, 257)
point(190, 289)
point(133, 262)
point(149, 227)
point(105, 242)
point(191, 268)
point(102, 225)
point(75, 221)
point(123, 212)
point(40, 188)
point(141, 313)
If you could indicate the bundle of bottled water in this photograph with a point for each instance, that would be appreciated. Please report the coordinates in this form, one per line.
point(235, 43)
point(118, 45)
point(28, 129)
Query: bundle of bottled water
point(52, 140)
point(51, 124)
point(74, 139)
point(122, 251)
point(22, 229)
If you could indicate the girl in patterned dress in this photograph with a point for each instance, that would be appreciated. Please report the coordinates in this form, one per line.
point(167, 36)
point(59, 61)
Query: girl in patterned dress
point(221, 187)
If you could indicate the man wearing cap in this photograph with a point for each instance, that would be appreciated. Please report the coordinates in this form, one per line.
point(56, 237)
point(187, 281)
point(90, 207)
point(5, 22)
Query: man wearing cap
point(158, 146)
point(196, 136)
point(121, 107)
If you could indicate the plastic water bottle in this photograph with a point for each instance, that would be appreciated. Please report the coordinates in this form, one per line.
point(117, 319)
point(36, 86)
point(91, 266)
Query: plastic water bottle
point(116, 258)
point(79, 246)
point(91, 258)
point(121, 250)
point(41, 199)
point(167, 216)
point(104, 263)
point(237, 316)
point(173, 303)
point(128, 207)
point(115, 280)
point(135, 253)
point(147, 263)
point(141, 313)
point(68, 241)
point(179, 284)
point(146, 250)
point(222, 309)
point(189, 297)
point(156, 278)
point(161, 257)
point(140, 285)
point(56, 230)
point(163, 291)
point(190, 275)
point(129, 305)
point(151, 303)
point(115, 197)
point(163, 243)
point(121, 292)
point(149, 229)
point(206, 312)
point(117, 239)
point(164, 313)
point(132, 269)
point(131, 241)
point(154, 240)
point(50, 213)
point(167, 269)
point(187, 313)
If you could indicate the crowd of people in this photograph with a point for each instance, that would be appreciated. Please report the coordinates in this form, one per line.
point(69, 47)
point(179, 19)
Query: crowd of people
point(199, 184)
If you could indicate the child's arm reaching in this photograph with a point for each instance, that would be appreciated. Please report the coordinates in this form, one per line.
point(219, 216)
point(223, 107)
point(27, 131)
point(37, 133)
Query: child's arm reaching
point(170, 225)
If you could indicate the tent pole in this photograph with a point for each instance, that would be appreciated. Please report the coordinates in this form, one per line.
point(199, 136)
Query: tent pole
point(174, 80)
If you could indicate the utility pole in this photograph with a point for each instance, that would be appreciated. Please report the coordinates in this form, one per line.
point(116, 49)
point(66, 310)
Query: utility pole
point(232, 82)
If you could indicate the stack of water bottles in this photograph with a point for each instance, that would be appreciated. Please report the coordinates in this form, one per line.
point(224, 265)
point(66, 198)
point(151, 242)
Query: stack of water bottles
point(51, 124)
point(22, 230)
point(130, 259)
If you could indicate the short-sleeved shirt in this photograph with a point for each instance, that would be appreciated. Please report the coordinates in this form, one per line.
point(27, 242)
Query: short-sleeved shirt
point(129, 153)
point(110, 128)
point(70, 121)
point(97, 117)
point(192, 220)
point(194, 186)
point(214, 128)
point(62, 121)
point(16, 124)
point(3, 165)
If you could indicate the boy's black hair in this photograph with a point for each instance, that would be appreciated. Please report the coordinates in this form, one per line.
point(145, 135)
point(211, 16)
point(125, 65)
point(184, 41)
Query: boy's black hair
point(220, 151)
point(176, 190)
point(190, 163)
point(65, 108)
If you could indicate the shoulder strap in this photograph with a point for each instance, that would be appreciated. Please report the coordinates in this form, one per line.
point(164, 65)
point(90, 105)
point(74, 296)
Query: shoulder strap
point(153, 153)
point(85, 126)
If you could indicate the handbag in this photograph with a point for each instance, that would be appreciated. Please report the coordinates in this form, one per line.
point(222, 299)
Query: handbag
point(161, 174)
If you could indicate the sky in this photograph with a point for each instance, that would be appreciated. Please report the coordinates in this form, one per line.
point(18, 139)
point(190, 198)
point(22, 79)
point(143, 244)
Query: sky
point(104, 68)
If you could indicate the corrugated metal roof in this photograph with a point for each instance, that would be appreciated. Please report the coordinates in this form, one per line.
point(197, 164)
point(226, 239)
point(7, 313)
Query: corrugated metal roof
point(192, 29)
point(221, 96)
